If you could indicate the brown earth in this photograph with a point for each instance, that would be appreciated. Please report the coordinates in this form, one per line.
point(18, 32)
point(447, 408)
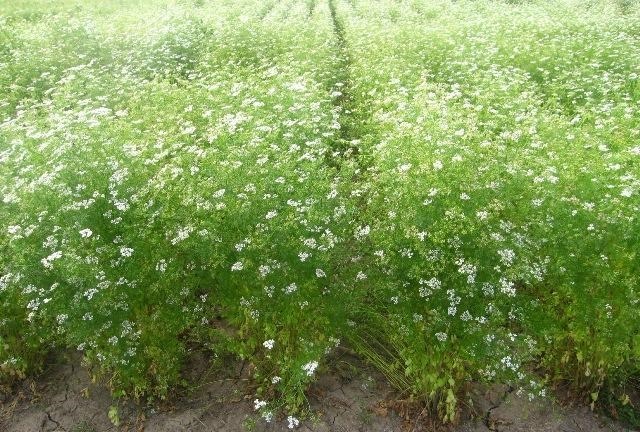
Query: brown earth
point(350, 397)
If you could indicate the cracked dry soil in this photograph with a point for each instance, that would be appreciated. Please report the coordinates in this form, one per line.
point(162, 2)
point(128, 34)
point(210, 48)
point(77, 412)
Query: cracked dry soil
point(350, 397)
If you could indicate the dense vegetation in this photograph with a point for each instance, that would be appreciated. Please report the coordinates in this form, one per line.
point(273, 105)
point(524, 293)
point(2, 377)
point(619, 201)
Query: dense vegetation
point(450, 188)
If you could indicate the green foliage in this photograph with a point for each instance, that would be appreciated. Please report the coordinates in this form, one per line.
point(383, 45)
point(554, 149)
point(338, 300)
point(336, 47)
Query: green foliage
point(450, 187)
point(502, 213)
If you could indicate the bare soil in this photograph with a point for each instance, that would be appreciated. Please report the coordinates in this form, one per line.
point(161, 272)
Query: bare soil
point(349, 397)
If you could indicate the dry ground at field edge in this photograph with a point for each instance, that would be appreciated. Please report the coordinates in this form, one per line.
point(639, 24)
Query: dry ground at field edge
point(351, 397)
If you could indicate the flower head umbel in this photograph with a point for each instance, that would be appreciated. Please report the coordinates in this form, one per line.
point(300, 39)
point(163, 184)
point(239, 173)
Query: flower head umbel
point(293, 422)
point(268, 344)
point(310, 367)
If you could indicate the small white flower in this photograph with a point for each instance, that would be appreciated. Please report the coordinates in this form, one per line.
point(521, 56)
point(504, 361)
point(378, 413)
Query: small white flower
point(404, 167)
point(237, 266)
point(86, 233)
point(507, 287)
point(271, 214)
point(126, 251)
point(182, 234)
point(268, 344)
point(264, 270)
point(275, 380)
point(46, 262)
point(293, 422)
point(161, 266)
point(304, 256)
point(257, 404)
point(310, 367)
point(362, 231)
point(122, 205)
point(434, 283)
point(441, 336)
point(507, 256)
point(482, 215)
point(13, 229)
point(320, 273)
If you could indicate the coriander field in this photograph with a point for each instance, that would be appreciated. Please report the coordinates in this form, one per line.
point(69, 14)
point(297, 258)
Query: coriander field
point(449, 190)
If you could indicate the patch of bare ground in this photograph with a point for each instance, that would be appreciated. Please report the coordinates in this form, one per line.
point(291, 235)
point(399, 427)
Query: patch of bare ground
point(349, 397)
